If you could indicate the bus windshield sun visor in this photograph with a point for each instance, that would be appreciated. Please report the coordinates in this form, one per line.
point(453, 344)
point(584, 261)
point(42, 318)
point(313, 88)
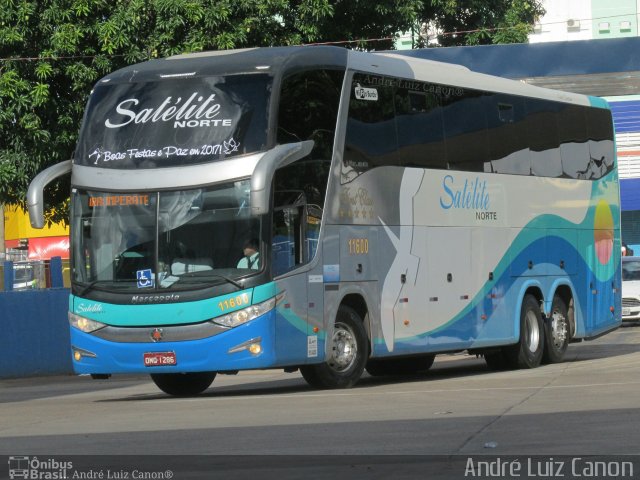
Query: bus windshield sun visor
point(278, 157)
point(35, 202)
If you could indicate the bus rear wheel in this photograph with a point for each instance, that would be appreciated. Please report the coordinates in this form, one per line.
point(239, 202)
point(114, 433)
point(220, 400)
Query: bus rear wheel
point(348, 356)
point(527, 353)
point(183, 384)
point(556, 329)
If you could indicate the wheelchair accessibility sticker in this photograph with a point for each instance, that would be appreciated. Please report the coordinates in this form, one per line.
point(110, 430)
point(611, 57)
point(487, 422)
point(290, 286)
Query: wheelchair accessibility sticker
point(145, 278)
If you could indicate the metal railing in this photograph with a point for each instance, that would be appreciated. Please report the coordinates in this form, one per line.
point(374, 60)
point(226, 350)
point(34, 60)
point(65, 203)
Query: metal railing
point(34, 274)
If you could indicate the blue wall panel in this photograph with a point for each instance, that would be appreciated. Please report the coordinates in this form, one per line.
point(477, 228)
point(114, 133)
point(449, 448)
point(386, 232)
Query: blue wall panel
point(626, 116)
point(34, 333)
point(630, 194)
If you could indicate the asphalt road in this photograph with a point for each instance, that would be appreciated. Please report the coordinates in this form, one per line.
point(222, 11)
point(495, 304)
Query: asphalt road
point(588, 405)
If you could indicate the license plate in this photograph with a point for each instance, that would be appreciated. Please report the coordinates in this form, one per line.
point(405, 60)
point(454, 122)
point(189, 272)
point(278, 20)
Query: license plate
point(159, 359)
point(626, 312)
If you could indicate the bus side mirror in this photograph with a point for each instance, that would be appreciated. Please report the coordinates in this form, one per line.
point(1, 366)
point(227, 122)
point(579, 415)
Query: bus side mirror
point(262, 176)
point(35, 201)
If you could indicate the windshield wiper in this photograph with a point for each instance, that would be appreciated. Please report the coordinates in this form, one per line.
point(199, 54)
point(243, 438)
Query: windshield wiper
point(238, 285)
point(88, 287)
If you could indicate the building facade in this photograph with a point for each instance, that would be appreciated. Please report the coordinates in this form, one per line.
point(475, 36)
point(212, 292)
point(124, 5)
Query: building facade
point(22, 242)
point(568, 20)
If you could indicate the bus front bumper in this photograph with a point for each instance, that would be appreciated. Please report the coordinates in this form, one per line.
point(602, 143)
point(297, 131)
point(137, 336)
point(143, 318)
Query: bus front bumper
point(248, 346)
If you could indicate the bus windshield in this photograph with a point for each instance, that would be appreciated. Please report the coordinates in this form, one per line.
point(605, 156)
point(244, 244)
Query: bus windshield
point(174, 122)
point(184, 239)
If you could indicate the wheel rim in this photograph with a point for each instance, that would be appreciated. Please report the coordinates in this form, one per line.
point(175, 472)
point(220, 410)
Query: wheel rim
point(345, 348)
point(533, 331)
point(558, 330)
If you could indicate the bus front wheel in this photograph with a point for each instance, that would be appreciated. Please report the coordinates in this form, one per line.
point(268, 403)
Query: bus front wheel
point(349, 353)
point(183, 384)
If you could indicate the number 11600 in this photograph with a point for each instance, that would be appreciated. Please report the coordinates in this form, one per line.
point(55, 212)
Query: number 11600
point(358, 246)
point(233, 302)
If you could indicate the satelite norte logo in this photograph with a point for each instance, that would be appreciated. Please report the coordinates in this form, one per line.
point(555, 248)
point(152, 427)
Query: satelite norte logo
point(194, 111)
point(473, 195)
point(34, 468)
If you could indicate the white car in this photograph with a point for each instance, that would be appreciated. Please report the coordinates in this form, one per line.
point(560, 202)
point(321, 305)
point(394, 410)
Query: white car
point(630, 289)
point(24, 276)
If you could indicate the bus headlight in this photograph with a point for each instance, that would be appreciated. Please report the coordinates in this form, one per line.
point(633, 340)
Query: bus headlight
point(83, 324)
point(246, 314)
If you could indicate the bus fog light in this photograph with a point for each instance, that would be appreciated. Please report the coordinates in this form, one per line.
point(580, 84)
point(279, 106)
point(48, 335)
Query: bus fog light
point(79, 353)
point(254, 346)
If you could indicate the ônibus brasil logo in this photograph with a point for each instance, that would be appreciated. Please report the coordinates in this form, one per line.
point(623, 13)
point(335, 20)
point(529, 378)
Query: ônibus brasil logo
point(34, 468)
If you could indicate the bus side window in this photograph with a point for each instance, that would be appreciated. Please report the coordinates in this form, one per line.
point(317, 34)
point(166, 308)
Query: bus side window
point(600, 137)
point(308, 109)
point(574, 149)
point(420, 130)
point(508, 149)
point(542, 133)
point(465, 129)
point(371, 139)
point(313, 217)
point(287, 243)
point(295, 230)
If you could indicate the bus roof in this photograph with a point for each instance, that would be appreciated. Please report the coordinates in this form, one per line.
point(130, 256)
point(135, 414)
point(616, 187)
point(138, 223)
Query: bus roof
point(225, 62)
point(461, 76)
point(285, 59)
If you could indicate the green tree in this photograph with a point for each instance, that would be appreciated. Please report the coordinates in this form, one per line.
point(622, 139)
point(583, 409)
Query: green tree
point(368, 25)
point(53, 51)
point(479, 22)
point(374, 25)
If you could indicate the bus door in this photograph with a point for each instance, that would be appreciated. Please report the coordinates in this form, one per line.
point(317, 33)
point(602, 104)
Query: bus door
point(315, 284)
point(294, 245)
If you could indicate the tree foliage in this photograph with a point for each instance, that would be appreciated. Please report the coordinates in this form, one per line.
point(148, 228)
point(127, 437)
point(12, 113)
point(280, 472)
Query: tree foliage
point(480, 22)
point(53, 51)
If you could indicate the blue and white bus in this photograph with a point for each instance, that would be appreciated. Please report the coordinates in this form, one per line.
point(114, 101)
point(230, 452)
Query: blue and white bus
point(394, 208)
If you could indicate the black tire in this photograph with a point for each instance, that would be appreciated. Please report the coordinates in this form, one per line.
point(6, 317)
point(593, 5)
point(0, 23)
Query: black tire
point(571, 311)
point(400, 366)
point(557, 332)
point(349, 354)
point(183, 384)
point(527, 353)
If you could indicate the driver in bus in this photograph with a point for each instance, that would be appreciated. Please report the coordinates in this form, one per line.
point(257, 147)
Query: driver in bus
point(251, 257)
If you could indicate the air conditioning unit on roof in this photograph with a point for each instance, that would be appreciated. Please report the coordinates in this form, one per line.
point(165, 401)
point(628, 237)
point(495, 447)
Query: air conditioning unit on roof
point(573, 24)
